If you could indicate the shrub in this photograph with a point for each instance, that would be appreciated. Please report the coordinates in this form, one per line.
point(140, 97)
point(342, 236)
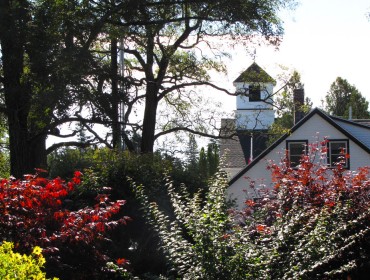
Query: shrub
point(199, 243)
point(111, 168)
point(65, 161)
point(315, 224)
point(34, 212)
point(21, 267)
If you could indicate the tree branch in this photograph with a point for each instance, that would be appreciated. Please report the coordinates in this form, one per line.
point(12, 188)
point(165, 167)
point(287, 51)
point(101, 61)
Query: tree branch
point(198, 83)
point(176, 129)
point(56, 146)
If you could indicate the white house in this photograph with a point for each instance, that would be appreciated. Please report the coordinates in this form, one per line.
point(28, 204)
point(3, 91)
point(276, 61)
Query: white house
point(352, 136)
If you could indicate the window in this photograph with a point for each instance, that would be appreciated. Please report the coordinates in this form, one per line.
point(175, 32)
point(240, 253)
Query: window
point(295, 149)
point(338, 151)
point(254, 93)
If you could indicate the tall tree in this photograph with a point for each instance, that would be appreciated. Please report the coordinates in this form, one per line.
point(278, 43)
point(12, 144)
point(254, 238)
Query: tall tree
point(203, 164)
point(172, 48)
point(55, 65)
point(192, 153)
point(44, 51)
point(213, 156)
point(343, 97)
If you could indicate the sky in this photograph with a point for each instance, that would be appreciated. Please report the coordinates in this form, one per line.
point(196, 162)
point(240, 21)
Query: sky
point(324, 39)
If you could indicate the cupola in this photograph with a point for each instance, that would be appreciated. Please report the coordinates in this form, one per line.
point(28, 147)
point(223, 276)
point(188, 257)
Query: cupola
point(254, 89)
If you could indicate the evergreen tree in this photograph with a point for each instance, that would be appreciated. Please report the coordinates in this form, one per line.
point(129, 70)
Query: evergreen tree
point(203, 164)
point(213, 157)
point(342, 96)
point(192, 154)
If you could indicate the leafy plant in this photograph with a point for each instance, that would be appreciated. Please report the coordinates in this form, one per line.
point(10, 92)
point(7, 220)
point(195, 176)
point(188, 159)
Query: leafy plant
point(315, 224)
point(34, 212)
point(111, 168)
point(200, 242)
point(21, 267)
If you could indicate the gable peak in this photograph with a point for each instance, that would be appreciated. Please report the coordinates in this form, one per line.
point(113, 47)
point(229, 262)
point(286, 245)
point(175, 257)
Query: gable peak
point(254, 74)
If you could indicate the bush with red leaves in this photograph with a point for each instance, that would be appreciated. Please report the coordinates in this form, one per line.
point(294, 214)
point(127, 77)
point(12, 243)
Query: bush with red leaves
point(315, 223)
point(32, 212)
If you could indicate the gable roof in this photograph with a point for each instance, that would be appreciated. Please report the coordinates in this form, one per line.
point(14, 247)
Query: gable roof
point(254, 74)
point(347, 127)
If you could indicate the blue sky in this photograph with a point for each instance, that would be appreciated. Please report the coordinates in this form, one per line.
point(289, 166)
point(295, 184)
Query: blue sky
point(323, 39)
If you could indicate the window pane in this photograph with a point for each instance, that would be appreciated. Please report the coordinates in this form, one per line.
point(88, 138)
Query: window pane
point(336, 153)
point(296, 150)
point(294, 160)
point(337, 148)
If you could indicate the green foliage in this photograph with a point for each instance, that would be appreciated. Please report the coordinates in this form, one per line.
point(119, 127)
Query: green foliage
point(110, 168)
point(192, 152)
point(213, 157)
point(21, 267)
point(202, 224)
point(65, 161)
point(341, 96)
point(284, 102)
point(4, 164)
point(200, 242)
point(4, 147)
point(280, 126)
point(203, 164)
point(119, 268)
point(208, 162)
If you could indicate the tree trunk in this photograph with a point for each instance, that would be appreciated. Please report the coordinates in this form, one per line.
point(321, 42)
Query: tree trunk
point(150, 116)
point(38, 155)
point(19, 148)
point(16, 90)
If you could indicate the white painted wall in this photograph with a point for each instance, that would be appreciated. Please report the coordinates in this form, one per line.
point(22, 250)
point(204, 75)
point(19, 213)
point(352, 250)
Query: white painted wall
point(313, 130)
point(242, 101)
point(254, 119)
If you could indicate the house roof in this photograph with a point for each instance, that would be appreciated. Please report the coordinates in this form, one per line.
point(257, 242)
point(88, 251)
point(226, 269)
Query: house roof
point(358, 130)
point(362, 121)
point(237, 150)
point(254, 74)
point(232, 153)
point(349, 128)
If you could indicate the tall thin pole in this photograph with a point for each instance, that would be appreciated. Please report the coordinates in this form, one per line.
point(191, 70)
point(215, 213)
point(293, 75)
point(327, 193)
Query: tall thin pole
point(251, 148)
point(122, 92)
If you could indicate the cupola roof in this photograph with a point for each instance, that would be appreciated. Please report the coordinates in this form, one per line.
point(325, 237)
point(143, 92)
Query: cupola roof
point(254, 74)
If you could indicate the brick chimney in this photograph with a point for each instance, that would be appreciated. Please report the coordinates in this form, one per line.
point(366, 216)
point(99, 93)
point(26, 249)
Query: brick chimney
point(298, 99)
